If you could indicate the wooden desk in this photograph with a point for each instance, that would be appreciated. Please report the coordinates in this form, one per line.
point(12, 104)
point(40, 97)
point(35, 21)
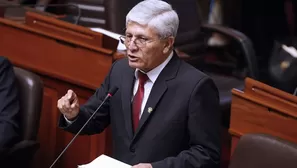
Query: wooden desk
point(263, 109)
point(65, 56)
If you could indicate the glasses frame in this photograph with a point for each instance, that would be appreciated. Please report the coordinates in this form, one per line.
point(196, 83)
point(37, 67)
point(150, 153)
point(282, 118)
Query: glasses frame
point(136, 41)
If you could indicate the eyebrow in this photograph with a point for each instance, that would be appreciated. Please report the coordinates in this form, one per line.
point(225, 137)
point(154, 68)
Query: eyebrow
point(140, 34)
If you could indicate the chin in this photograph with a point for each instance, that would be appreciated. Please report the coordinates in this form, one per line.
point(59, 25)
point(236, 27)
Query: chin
point(135, 65)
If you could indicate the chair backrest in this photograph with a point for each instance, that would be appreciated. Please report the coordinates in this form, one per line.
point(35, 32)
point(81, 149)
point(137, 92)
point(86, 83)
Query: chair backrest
point(93, 12)
point(259, 150)
point(116, 11)
point(111, 14)
point(106, 14)
point(30, 94)
point(88, 13)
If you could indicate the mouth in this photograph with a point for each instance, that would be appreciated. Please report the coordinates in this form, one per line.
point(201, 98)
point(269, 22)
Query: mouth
point(132, 58)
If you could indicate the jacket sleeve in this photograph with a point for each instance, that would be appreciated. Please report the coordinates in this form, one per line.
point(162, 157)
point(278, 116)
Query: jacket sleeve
point(101, 119)
point(204, 130)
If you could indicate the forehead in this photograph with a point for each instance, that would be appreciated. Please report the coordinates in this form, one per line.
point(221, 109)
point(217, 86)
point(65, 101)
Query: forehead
point(140, 30)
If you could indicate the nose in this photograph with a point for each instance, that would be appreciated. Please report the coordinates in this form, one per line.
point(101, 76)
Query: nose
point(132, 45)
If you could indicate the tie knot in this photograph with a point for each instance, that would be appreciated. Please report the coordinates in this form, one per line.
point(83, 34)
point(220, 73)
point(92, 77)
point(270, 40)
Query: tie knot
point(142, 78)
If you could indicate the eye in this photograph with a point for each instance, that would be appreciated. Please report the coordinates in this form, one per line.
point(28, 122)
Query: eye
point(129, 36)
point(143, 39)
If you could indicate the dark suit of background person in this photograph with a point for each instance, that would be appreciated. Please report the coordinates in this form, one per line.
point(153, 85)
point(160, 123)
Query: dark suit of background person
point(181, 131)
point(9, 107)
point(265, 22)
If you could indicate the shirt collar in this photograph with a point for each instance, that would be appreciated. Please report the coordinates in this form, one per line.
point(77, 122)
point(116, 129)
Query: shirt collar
point(154, 73)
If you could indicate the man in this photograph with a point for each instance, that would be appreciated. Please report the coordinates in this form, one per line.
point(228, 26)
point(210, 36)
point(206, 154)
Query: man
point(165, 113)
point(9, 107)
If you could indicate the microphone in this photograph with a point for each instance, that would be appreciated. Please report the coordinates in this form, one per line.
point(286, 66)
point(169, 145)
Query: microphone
point(110, 93)
point(41, 7)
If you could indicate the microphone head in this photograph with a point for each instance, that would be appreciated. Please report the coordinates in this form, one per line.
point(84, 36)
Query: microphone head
point(113, 90)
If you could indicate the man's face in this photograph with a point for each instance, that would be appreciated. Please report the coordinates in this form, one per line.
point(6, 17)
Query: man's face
point(145, 50)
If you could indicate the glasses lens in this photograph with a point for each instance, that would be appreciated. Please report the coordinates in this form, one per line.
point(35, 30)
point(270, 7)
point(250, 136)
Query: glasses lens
point(127, 41)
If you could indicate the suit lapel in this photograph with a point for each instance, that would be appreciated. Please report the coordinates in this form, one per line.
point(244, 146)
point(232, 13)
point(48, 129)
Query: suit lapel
point(158, 90)
point(127, 90)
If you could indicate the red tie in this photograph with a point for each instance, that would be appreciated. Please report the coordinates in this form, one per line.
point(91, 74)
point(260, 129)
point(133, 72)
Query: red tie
point(138, 98)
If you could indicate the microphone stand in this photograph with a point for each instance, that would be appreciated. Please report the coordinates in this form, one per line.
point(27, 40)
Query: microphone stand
point(110, 94)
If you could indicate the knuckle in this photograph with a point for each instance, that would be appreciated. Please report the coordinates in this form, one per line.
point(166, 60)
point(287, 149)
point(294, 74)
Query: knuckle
point(70, 91)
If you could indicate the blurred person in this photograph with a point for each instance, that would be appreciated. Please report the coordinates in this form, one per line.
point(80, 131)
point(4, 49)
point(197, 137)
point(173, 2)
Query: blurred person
point(9, 107)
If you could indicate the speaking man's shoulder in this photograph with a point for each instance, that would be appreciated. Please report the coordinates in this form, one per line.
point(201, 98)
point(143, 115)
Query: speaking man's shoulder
point(121, 67)
point(190, 73)
point(192, 78)
point(121, 63)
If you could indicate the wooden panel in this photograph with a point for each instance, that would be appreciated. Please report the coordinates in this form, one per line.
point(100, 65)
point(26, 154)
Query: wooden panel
point(234, 141)
point(48, 120)
point(53, 58)
point(53, 140)
point(67, 31)
point(263, 109)
point(51, 24)
point(62, 63)
point(250, 117)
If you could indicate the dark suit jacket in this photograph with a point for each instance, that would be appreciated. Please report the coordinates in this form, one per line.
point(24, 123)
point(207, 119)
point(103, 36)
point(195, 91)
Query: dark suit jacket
point(183, 129)
point(9, 106)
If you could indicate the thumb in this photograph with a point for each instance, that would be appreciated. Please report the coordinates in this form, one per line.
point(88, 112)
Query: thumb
point(70, 95)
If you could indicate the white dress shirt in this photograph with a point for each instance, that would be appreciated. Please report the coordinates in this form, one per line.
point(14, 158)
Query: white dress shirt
point(152, 77)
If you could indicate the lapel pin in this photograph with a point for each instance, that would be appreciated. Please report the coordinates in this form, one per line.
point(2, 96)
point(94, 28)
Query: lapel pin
point(149, 110)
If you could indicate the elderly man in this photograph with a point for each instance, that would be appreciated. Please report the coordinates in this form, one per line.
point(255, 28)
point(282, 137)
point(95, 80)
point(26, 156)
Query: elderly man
point(165, 113)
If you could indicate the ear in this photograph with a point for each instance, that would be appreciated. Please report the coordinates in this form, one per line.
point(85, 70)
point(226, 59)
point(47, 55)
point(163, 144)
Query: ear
point(168, 45)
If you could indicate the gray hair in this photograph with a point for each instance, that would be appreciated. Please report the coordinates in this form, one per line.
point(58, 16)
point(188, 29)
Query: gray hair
point(157, 14)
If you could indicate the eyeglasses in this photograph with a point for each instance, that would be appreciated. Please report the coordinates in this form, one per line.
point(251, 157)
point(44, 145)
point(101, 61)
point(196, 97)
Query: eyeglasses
point(138, 41)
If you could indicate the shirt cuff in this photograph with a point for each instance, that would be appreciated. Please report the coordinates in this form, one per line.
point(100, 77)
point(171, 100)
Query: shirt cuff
point(68, 121)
